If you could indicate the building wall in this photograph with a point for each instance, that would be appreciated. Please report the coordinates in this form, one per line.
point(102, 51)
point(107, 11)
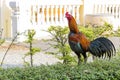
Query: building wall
point(0, 13)
point(6, 20)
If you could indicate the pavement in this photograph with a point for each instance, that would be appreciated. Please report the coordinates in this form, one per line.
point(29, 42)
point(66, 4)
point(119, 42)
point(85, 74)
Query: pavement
point(14, 57)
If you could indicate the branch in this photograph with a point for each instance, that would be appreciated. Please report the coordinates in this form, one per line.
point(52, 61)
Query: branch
point(8, 49)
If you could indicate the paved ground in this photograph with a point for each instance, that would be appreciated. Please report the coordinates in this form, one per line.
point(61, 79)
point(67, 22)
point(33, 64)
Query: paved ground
point(14, 57)
point(16, 53)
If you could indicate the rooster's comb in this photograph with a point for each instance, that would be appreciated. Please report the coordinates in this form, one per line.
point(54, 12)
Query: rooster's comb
point(66, 13)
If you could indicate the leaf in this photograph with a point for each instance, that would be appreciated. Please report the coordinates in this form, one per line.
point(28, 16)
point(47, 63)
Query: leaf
point(2, 41)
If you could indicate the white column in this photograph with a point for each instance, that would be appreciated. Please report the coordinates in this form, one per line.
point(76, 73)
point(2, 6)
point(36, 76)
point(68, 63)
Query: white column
point(52, 14)
point(65, 10)
point(113, 9)
point(61, 21)
point(116, 11)
point(47, 14)
point(43, 15)
point(73, 10)
point(33, 17)
point(31, 14)
point(56, 14)
point(95, 8)
point(102, 8)
point(69, 8)
point(39, 14)
point(99, 8)
point(110, 8)
point(77, 15)
point(119, 12)
point(106, 8)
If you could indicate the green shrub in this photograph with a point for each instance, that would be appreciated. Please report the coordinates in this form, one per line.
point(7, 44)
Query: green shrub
point(97, 70)
point(88, 31)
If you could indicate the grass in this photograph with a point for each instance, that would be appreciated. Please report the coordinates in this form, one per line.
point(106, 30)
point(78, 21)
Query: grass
point(97, 70)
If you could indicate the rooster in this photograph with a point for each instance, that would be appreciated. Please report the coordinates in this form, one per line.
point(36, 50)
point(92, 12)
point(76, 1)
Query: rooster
point(100, 47)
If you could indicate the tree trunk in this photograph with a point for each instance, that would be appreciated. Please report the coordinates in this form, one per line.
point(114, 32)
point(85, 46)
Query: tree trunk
point(31, 56)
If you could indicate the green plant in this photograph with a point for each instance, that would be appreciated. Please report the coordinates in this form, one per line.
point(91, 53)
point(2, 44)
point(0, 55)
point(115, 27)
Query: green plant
point(88, 31)
point(58, 41)
point(97, 70)
point(32, 51)
point(105, 30)
point(1, 39)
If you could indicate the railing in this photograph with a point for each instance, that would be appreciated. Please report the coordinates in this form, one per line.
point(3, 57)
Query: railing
point(41, 14)
point(103, 6)
point(50, 12)
point(107, 7)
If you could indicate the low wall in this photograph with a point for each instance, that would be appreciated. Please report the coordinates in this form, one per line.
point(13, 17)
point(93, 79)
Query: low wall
point(98, 19)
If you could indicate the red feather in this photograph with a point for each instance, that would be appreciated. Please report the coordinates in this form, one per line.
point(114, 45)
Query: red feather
point(81, 39)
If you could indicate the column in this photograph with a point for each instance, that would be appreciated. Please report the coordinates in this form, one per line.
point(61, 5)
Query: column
point(52, 14)
point(106, 8)
point(33, 19)
point(119, 12)
point(56, 14)
point(43, 14)
point(103, 8)
point(116, 11)
point(95, 8)
point(99, 8)
point(73, 10)
point(65, 10)
point(47, 14)
point(77, 15)
point(113, 10)
point(109, 9)
point(39, 14)
point(61, 14)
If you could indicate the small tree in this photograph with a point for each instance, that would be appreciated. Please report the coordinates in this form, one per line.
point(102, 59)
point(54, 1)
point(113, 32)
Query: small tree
point(59, 42)
point(32, 51)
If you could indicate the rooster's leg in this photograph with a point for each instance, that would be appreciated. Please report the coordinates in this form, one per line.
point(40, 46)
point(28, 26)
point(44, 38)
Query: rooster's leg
point(79, 58)
point(85, 57)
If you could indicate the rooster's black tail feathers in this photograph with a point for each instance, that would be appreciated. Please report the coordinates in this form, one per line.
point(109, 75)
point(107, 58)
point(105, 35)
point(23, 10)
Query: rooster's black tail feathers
point(102, 47)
